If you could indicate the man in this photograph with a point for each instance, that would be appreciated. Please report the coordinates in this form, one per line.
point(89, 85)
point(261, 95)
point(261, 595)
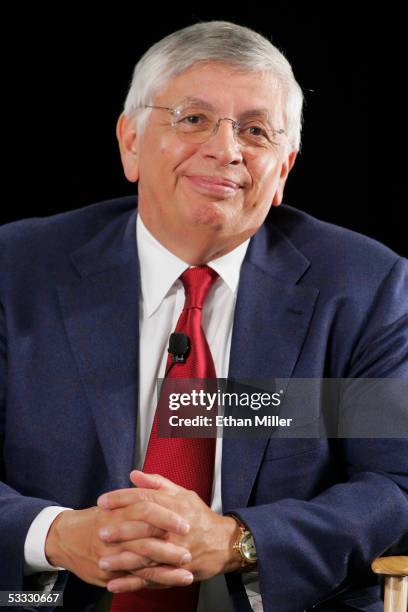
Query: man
point(210, 132)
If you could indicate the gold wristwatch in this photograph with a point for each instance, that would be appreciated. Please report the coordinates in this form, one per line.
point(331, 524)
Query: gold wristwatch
point(245, 546)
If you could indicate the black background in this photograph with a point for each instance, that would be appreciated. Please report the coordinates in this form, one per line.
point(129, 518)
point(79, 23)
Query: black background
point(67, 73)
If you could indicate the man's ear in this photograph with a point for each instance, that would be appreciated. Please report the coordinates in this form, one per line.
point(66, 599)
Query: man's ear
point(129, 147)
point(287, 166)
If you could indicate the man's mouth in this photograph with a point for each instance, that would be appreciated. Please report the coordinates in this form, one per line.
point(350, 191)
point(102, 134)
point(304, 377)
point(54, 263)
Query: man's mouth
point(213, 185)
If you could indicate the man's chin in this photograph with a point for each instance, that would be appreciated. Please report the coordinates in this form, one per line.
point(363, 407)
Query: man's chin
point(212, 214)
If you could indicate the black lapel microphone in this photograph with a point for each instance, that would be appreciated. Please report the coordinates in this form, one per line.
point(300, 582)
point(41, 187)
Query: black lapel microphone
point(179, 346)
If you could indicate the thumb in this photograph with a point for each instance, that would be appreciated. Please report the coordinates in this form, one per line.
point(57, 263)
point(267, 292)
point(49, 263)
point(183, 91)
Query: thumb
point(154, 481)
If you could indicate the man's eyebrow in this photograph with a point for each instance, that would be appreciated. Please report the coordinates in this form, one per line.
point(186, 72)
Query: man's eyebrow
point(253, 112)
point(197, 102)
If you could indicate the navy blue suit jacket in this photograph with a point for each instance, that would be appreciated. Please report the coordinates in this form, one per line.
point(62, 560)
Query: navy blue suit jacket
point(314, 300)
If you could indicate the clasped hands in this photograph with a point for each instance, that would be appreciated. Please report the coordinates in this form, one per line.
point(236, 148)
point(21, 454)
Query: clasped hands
point(156, 535)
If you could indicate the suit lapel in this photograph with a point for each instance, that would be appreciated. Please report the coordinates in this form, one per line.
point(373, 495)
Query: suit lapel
point(101, 311)
point(272, 316)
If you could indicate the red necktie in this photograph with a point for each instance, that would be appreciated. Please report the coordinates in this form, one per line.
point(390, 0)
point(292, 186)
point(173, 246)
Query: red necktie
point(189, 462)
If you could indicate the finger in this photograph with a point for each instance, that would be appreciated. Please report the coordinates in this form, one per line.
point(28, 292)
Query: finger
point(122, 585)
point(156, 515)
point(168, 576)
point(140, 499)
point(118, 497)
point(113, 575)
point(151, 577)
point(154, 481)
point(124, 562)
point(123, 497)
point(102, 578)
point(135, 530)
point(144, 553)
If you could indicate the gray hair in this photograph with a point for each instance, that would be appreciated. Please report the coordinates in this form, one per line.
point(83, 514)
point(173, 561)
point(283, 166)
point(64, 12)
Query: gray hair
point(216, 41)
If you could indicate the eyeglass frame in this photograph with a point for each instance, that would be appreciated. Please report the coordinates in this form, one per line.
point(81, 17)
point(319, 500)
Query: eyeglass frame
point(235, 124)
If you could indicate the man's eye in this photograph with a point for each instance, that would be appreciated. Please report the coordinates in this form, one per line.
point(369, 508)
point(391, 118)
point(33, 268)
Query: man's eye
point(254, 130)
point(194, 119)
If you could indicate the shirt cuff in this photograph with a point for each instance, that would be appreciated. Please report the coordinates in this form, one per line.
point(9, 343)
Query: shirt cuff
point(34, 546)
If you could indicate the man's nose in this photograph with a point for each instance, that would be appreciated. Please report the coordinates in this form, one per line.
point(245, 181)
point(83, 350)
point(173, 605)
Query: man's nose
point(222, 143)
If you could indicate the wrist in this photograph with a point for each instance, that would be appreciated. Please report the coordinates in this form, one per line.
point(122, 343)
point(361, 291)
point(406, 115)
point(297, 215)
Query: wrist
point(233, 560)
point(54, 550)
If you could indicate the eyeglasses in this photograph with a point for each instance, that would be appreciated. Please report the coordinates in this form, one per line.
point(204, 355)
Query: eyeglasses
point(196, 125)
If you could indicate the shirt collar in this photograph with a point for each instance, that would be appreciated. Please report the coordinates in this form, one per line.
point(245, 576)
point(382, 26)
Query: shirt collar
point(160, 268)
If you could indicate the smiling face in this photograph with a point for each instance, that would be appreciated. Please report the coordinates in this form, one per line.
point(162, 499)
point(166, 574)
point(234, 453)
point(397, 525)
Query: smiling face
point(201, 200)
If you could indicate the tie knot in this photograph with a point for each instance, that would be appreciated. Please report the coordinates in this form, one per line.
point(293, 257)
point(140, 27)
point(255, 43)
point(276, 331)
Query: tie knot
point(197, 283)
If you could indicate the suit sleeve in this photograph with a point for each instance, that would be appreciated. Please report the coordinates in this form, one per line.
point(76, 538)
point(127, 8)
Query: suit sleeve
point(320, 545)
point(17, 511)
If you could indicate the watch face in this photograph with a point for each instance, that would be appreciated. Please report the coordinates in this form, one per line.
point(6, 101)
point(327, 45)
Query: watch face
point(248, 547)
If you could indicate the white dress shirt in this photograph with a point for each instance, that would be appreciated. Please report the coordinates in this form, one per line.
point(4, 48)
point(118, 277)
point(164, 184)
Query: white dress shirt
point(161, 302)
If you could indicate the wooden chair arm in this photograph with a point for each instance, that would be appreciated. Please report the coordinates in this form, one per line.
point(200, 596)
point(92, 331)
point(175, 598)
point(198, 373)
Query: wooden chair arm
point(395, 572)
point(390, 566)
